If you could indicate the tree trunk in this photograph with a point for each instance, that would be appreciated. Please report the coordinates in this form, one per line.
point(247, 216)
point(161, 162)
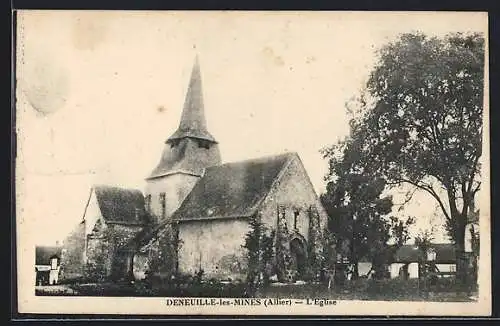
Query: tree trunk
point(460, 221)
point(460, 249)
point(355, 271)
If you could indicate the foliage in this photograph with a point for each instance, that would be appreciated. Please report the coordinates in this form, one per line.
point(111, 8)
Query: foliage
point(97, 258)
point(164, 251)
point(259, 248)
point(181, 286)
point(359, 215)
point(283, 255)
point(316, 250)
point(419, 122)
point(423, 241)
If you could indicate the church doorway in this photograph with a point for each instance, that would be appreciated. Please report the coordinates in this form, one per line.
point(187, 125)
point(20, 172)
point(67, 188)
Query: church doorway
point(121, 265)
point(298, 257)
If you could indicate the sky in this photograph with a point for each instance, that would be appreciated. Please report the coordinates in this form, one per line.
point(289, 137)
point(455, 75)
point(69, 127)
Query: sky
point(99, 93)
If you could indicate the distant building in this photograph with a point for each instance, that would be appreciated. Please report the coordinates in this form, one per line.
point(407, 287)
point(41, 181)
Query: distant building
point(191, 196)
point(47, 264)
point(405, 262)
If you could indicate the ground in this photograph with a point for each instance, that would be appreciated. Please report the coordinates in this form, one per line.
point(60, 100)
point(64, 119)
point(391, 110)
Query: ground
point(298, 291)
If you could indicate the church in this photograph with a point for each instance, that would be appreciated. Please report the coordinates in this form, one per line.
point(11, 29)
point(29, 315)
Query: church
point(196, 212)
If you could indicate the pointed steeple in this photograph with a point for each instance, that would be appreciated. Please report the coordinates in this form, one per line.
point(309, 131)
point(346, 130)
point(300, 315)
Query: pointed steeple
point(191, 148)
point(193, 123)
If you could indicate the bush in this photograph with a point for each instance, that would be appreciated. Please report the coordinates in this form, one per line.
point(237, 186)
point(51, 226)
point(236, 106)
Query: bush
point(183, 285)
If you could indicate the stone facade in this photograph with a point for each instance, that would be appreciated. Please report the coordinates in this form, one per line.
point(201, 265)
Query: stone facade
point(214, 246)
point(294, 192)
point(73, 254)
point(174, 187)
point(108, 251)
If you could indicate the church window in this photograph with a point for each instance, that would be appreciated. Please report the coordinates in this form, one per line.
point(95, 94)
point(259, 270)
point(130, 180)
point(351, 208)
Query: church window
point(163, 204)
point(203, 143)
point(295, 218)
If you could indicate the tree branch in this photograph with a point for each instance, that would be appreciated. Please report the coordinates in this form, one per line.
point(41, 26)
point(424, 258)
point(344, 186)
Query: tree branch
point(428, 188)
point(475, 190)
point(408, 198)
point(472, 173)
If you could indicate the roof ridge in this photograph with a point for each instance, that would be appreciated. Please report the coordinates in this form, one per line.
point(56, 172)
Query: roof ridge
point(107, 186)
point(255, 159)
point(278, 177)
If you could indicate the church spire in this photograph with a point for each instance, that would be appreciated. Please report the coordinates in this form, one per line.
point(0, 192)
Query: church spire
point(193, 123)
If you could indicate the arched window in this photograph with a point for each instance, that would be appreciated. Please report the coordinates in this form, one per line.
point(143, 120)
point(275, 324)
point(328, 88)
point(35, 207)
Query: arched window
point(295, 218)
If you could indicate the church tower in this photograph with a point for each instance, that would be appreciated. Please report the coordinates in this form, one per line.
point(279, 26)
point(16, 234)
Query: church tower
point(186, 154)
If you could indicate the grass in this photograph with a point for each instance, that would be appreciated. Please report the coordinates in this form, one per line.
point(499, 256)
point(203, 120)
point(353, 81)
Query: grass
point(410, 293)
point(385, 290)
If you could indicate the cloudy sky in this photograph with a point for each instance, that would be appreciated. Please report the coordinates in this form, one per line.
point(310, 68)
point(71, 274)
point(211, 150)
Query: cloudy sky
point(99, 93)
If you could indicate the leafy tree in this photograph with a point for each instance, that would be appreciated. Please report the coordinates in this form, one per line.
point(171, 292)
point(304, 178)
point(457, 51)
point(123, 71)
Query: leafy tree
point(359, 214)
point(419, 122)
point(259, 248)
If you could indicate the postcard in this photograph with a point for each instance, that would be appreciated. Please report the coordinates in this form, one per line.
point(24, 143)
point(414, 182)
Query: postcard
point(252, 163)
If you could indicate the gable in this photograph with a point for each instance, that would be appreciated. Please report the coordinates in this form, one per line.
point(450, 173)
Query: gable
point(295, 193)
point(92, 213)
point(122, 206)
point(232, 190)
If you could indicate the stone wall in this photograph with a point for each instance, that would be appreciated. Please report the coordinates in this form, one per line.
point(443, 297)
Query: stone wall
point(108, 253)
point(72, 257)
point(99, 257)
point(296, 194)
point(214, 246)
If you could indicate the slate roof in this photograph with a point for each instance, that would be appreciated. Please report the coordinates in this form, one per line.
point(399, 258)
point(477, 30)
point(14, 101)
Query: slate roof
point(43, 254)
point(445, 253)
point(232, 189)
point(123, 206)
point(193, 122)
point(191, 148)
